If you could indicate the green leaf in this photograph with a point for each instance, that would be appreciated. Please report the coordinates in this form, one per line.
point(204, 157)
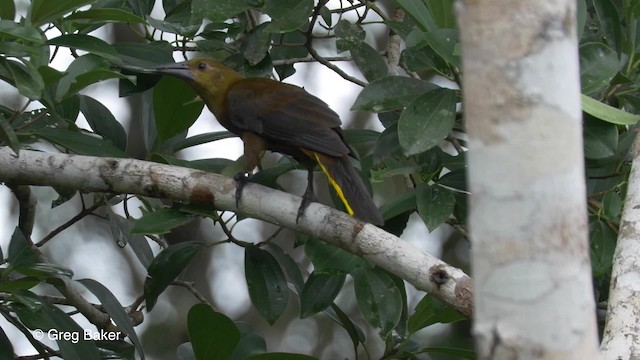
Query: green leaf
point(459, 353)
point(44, 316)
point(7, 11)
point(256, 44)
point(598, 65)
point(355, 332)
point(20, 252)
point(319, 292)
point(106, 15)
point(419, 12)
point(14, 31)
point(160, 221)
point(44, 11)
point(103, 122)
point(6, 348)
point(607, 113)
point(379, 300)
point(349, 35)
point(250, 343)
point(430, 311)
point(84, 71)
point(24, 283)
point(427, 120)
point(442, 12)
point(369, 61)
point(115, 311)
point(23, 76)
point(141, 8)
point(600, 139)
point(329, 258)
point(603, 245)
point(202, 139)
point(166, 266)
point(390, 93)
point(281, 356)
point(289, 265)
point(612, 205)
point(213, 335)
point(445, 42)
point(79, 143)
point(220, 10)
point(87, 43)
point(174, 107)
point(287, 15)
point(435, 204)
point(7, 135)
point(121, 231)
point(44, 270)
point(400, 204)
point(266, 282)
point(144, 56)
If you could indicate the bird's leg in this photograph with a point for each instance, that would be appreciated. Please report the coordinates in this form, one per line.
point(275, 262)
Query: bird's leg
point(309, 195)
point(254, 146)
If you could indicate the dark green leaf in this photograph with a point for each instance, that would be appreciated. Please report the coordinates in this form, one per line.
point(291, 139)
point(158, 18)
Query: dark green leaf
point(456, 179)
point(115, 311)
point(427, 120)
point(219, 10)
point(20, 252)
point(14, 31)
point(581, 11)
point(378, 299)
point(458, 353)
point(442, 12)
point(44, 11)
point(84, 71)
point(187, 29)
point(45, 317)
point(213, 335)
point(174, 107)
point(349, 35)
point(607, 113)
point(169, 263)
point(23, 76)
point(7, 11)
point(43, 270)
point(419, 12)
point(369, 61)
point(319, 292)
point(266, 282)
point(445, 42)
point(8, 136)
point(289, 265)
point(390, 93)
point(160, 221)
point(79, 143)
point(331, 259)
point(103, 122)
point(256, 44)
point(202, 139)
point(250, 343)
point(435, 205)
point(402, 203)
point(355, 332)
point(430, 311)
point(598, 65)
point(121, 231)
point(603, 245)
point(141, 8)
point(600, 139)
point(287, 15)
point(6, 348)
point(281, 356)
point(144, 56)
point(612, 205)
point(608, 23)
point(106, 15)
point(87, 43)
point(24, 283)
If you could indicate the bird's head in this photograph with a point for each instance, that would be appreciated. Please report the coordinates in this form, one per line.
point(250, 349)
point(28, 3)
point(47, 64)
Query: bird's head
point(211, 79)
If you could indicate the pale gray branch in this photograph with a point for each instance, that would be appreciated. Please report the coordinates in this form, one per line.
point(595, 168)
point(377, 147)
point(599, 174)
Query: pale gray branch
point(424, 271)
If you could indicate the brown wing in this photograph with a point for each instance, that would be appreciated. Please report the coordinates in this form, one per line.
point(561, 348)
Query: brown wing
point(285, 115)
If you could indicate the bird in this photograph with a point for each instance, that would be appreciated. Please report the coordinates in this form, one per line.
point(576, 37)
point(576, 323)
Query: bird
point(271, 115)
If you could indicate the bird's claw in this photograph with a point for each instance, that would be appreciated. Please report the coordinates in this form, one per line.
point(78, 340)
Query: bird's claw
point(307, 199)
point(241, 179)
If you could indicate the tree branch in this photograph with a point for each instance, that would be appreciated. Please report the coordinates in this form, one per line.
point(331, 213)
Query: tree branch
point(623, 310)
point(424, 271)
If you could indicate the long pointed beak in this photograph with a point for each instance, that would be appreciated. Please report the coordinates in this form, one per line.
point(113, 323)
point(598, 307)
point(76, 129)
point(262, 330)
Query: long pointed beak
point(180, 70)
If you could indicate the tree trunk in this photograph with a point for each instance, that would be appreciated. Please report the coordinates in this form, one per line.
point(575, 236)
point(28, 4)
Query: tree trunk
point(528, 214)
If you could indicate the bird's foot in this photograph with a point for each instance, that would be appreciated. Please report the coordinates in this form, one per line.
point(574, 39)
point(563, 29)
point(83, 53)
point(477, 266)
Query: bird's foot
point(307, 199)
point(241, 178)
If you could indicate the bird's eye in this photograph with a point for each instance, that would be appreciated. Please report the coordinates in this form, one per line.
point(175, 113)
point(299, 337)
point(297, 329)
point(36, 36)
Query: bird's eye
point(202, 66)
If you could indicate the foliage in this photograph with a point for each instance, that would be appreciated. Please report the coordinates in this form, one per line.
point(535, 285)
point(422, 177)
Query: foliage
point(421, 120)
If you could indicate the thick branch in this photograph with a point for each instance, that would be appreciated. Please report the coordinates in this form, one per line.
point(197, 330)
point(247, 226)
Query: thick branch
point(620, 338)
point(422, 270)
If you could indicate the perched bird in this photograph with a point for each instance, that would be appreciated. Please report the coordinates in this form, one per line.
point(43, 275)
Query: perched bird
point(270, 115)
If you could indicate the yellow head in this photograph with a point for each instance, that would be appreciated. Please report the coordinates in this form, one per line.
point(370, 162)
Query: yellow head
point(209, 78)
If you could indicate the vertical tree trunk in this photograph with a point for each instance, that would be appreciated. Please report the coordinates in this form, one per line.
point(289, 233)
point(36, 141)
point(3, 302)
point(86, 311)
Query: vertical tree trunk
point(528, 215)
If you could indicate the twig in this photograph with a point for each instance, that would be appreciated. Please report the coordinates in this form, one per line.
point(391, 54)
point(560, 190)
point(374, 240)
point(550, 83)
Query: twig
point(189, 286)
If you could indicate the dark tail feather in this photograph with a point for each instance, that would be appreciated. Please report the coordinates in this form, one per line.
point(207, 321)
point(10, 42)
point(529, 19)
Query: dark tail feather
point(350, 188)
